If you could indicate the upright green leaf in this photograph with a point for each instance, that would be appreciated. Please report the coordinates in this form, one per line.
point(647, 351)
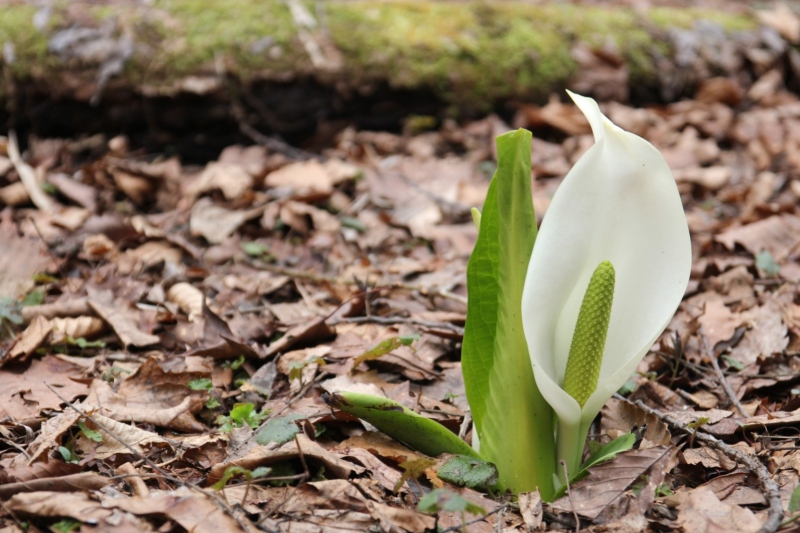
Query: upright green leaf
point(513, 420)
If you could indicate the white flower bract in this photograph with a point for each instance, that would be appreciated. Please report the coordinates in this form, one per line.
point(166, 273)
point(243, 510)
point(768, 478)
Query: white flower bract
point(618, 203)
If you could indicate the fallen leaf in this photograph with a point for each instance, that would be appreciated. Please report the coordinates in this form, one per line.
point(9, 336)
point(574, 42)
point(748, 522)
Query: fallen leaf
point(24, 392)
point(700, 511)
point(603, 495)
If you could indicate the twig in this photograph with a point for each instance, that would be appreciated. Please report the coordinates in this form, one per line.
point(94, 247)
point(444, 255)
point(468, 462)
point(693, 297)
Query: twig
point(770, 488)
point(720, 376)
point(569, 495)
point(304, 274)
point(390, 320)
point(27, 175)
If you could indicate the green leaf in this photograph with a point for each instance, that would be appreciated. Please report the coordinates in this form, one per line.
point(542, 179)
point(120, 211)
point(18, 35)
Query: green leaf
point(385, 347)
point(233, 471)
point(794, 501)
point(279, 430)
point(234, 364)
point(469, 472)
point(445, 500)
point(603, 454)
point(91, 434)
point(68, 456)
point(397, 421)
point(35, 297)
point(733, 363)
point(254, 249)
point(766, 264)
point(212, 403)
point(241, 414)
point(66, 525)
point(200, 384)
point(512, 418)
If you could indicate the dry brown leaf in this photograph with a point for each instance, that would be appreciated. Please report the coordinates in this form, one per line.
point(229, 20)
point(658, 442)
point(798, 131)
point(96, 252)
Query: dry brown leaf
point(192, 510)
point(99, 246)
point(779, 235)
point(65, 307)
point(216, 223)
point(314, 330)
point(135, 187)
point(143, 442)
point(48, 438)
point(148, 255)
point(266, 455)
point(24, 392)
point(119, 314)
point(308, 181)
point(14, 195)
point(620, 417)
point(718, 322)
point(29, 340)
point(296, 215)
point(86, 327)
point(189, 298)
point(22, 258)
point(79, 506)
point(530, 507)
point(80, 193)
point(736, 489)
point(699, 511)
point(80, 482)
point(230, 178)
point(153, 396)
point(603, 495)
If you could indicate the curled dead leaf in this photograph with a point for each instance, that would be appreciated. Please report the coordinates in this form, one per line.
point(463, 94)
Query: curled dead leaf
point(188, 298)
point(78, 327)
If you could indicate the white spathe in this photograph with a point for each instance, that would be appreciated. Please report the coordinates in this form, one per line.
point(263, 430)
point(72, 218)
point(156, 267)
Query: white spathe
point(618, 203)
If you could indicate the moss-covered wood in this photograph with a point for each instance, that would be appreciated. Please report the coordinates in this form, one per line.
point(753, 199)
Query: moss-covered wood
point(467, 53)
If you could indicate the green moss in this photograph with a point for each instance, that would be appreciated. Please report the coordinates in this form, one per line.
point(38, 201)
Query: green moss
point(30, 44)
point(685, 18)
point(471, 53)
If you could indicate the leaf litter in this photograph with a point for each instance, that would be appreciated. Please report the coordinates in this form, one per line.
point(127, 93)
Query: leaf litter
point(164, 323)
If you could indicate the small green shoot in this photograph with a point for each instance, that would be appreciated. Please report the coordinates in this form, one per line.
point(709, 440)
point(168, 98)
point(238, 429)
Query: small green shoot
point(91, 434)
point(212, 403)
point(445, 500)
point(233, 471)
point(234, 364)
point(385, 347)
point(82, 343)
point(279, 430)
point(700, 422)
point(413, 470)
point(766, 264)
point(65, 525)
point(601, 455)
point(241, 414)
point(200, 384)
point(68, 455)
point(35, 297)
point(296, 367)
point(469, 472)
point(733, 363)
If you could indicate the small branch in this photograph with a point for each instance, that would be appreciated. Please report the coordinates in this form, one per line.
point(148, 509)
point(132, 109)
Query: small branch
point(569, 494)
point(391, 320)
point(27, 175)
point(708, 352)
point(770, 488)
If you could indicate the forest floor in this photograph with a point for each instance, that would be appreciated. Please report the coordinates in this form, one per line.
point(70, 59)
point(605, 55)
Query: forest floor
point(165, 319)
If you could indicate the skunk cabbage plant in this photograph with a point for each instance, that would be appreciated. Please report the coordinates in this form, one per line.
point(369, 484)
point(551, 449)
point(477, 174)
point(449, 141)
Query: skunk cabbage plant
point(614, 239)
point(557, 322)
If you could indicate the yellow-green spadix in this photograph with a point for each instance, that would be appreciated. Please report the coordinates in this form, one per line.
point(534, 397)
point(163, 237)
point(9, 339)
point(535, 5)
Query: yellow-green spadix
point(618, 205)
